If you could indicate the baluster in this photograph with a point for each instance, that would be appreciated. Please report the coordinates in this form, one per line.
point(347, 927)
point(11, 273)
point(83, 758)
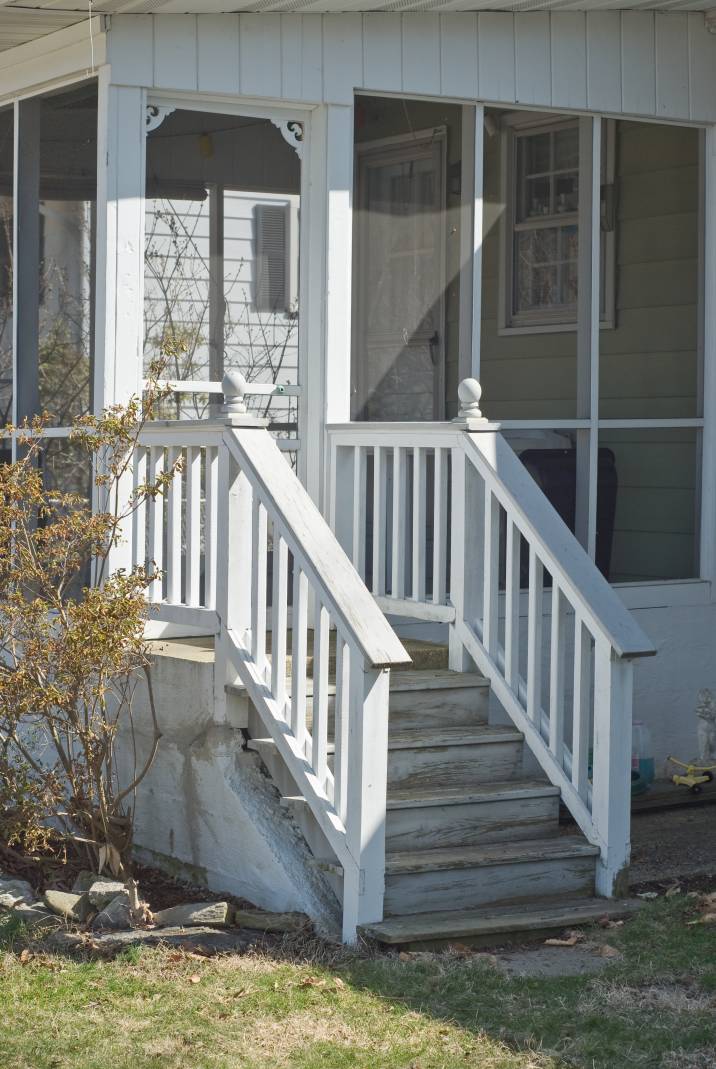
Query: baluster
point(397, 571)
point(556, 674)
point(419, 533)
point(534, 640)
point(139, 519)
point(259, 549)
point(211, 506)
point(491, 574)
point(193, 524)
point(512, 605)
point(379, 520)
point(299, 652)
point(581, 708)
point(279, 618)
point(342, 722)
point(156, 522)
point(174, 547)
point(319, 728)
point(359, 510)
point(440, 526)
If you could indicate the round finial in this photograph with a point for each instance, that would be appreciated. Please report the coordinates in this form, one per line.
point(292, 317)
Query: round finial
point(469, 393)
point(233, 386)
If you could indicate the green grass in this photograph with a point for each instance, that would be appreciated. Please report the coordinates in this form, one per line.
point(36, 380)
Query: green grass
point(300, 1008)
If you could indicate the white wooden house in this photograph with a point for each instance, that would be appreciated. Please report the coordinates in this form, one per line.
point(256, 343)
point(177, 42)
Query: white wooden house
point(455, 264)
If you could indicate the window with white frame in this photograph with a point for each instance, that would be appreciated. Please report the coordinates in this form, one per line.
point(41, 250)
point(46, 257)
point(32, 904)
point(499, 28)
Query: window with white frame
point(542, 182)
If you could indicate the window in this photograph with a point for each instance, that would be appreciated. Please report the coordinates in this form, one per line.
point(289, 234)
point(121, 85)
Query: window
point(542, 233)
point(274, 284)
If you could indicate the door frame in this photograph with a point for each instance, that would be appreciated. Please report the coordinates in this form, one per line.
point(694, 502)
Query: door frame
point(389, 148)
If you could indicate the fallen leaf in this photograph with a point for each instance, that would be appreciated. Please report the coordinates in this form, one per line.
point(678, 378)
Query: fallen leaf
point(340, 984)
point(313, 981)
point(242, 992)
point(648, 895)
point(607, 951)
point(607, 922)
point(675, 889)
point(195, 979)
point(571, 942)
point(26, 956)
point(405, 956)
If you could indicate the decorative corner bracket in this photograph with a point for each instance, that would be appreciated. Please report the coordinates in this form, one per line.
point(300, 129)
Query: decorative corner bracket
point(292, 132)
point(155, 115)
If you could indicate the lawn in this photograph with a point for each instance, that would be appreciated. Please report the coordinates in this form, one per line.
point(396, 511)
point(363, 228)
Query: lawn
point(302, 1006)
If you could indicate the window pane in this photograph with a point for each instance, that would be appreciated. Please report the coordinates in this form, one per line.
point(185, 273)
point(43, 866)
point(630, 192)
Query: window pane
point(222, 255)
point(6, 269)
point(649, 362)
point(67, 208)
point(650, 491)
point(550, 456)
point(406, 281)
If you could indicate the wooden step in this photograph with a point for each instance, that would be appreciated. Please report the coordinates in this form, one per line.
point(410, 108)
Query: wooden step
point(492, 926)
point(498, 873)
point(449, 817)
point(463, 756)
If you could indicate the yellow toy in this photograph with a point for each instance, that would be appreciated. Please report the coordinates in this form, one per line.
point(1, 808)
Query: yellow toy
point(694, 777)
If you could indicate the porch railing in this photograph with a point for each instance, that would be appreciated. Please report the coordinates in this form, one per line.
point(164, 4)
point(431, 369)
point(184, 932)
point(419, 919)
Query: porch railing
point(246, 555)
point(445, 524)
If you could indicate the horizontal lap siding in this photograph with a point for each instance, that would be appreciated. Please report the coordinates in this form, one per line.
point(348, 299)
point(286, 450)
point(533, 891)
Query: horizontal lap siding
point(633, 62)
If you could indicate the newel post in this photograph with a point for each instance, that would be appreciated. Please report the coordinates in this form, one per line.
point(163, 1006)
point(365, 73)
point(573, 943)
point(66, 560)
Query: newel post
point(234, 535)
point(364, 884)
point(466, 527)
point(611, 767)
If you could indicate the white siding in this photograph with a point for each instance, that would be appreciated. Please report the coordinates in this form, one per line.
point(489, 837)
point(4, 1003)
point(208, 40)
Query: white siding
point(622, 62)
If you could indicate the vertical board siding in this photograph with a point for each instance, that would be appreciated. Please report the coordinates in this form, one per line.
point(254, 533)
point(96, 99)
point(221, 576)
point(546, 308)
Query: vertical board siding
point(569, 59)
point(604, 69)
point(175, 51)
point(260, 54)
point(458, 55)
point(636, 62)
point(382, 51)
point(496, 55)
point(218, 55)
point(421, 54)
point(672, 64)
point(533, 57)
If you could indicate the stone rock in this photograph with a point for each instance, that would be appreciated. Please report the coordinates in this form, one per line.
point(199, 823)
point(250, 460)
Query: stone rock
point(15, 892)
point(101, 892)
point(36, 917)
point(115, 915)
point(264, 921)
point(72, 907)
point(207, 941)
point(84, 881)
point(193, 914)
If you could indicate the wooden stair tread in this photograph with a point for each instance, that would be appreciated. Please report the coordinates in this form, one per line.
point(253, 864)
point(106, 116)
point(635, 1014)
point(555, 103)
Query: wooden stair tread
point(501, 853)
point(426, 679)
point(460, 735)
point(417, 797)
point(494, 921)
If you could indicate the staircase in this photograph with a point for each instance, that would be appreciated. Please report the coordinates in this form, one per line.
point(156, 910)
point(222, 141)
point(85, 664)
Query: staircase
point(473, 846)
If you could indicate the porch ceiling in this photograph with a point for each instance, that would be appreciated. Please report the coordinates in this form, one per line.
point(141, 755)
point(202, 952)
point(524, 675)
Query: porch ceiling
point(22, 21)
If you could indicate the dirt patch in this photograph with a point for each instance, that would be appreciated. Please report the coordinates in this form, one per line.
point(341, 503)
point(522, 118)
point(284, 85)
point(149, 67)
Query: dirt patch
point(673, 845)
point(543, 961)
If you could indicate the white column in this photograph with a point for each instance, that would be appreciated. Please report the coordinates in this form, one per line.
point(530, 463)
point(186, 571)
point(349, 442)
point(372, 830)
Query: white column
point(708, 443)
point(471, 234)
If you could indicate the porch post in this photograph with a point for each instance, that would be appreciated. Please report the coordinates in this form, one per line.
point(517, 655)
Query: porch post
point(707, 557)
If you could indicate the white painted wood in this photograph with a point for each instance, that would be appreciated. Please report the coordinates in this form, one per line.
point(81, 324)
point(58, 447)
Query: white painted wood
point(611, 790)
point(156, 522)
point(380, 490)
point(259, 546)
point(672, 63)
point(342, 721)
point(638, 63)
point(193, 525)
point(359, 520)
point(319, 727)
point(342, 57)
point(382, 50)
point(581, 722)
point(259, 54)
point(702, 68)
point(175, 57)
point(491, 555)
point(478, 171)
point(419, 522)
point(458, 54)
point(299, 651)
point(534, 637)
point(174, 531)
point(707, 555)
point(399, 520)
point(569, 59)
point(496, 56)
point(513, 543)
point(440, 524)
point(301, 57)
point(604, 68)
point(139, 517)
point(557, 657)
point(532, 57)
point(218, 55)
point(337, 281)
point(211, 543)
point(279, 617)
point(421, 53)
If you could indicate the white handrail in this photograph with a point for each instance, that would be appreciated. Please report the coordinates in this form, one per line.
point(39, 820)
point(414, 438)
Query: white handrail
point(567, 680)
point(239, 540)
